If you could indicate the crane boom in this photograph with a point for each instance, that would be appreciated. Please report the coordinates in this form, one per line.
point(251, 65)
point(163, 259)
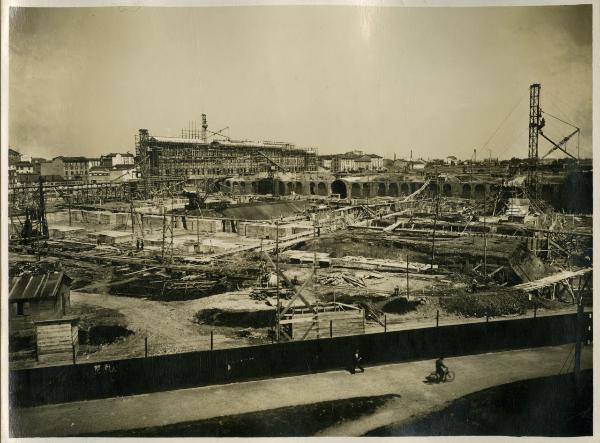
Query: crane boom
point(560, 144)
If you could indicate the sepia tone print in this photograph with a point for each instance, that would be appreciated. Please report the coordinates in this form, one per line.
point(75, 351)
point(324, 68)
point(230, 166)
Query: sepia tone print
point(275, 221)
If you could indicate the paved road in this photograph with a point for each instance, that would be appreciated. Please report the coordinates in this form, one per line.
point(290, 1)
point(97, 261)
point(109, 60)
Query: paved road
point(473, 373)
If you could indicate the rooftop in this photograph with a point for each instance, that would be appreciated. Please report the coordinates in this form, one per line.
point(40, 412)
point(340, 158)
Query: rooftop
point(29, 287)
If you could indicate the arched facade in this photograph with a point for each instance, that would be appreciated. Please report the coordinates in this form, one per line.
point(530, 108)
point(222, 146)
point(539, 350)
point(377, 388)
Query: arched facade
point(339, 187)
point(466, 191)
point(322, 188)
point(480, 191)
point(447, 189)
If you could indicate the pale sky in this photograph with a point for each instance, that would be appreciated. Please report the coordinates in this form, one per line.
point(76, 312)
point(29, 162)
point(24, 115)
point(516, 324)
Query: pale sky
point(439, 81)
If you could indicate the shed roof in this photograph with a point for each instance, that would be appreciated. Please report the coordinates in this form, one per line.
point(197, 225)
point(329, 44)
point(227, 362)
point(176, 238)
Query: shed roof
point(36, 286)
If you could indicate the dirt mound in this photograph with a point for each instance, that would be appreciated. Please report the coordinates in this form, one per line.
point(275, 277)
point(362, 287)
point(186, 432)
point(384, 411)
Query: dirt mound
point(218, 317)
point(493, 304)
point(103, 334)
point(400, 305)
point(265, 211)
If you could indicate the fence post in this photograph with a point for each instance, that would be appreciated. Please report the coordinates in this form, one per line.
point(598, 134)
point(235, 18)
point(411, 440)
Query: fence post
point(487, 316)
point(385, 323)
point(145, 347)
point(74, 353)
point(330, 328)
point(535, 310)
point(437, 318)
point(211, 340)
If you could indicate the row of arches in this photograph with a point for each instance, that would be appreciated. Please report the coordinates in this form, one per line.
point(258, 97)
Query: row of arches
point(346, 188)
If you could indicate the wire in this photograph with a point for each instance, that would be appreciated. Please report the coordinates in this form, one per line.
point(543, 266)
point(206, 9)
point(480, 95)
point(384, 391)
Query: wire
point(572, 109)
point(559, 119)
point(503, 121)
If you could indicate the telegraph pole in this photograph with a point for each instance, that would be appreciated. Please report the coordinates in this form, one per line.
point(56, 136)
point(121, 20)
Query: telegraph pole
point(437, 208)
point(407, 287)
point(277, 279)
point(484, 234)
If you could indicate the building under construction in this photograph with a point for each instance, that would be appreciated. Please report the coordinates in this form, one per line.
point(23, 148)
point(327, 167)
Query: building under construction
point(193, 156)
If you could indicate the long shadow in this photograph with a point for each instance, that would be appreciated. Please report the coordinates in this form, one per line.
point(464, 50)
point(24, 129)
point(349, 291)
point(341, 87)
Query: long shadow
point(555, 406)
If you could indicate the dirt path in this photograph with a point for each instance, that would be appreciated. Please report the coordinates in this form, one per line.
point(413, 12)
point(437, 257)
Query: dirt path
point(169, 326)
point(155, 319)
point(473, 373)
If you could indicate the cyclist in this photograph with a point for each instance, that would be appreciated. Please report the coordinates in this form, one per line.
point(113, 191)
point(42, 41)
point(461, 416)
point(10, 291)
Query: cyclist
point(440, 369)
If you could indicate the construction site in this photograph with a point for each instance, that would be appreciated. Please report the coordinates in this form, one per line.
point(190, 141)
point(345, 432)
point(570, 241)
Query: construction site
point(224, 244)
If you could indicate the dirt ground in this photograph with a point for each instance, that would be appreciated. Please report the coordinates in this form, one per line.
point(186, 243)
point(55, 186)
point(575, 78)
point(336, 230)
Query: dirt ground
point(169, 326)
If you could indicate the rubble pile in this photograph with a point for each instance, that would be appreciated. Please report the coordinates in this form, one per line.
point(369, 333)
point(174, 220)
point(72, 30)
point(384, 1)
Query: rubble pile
point(264, 294)
point(345, 278)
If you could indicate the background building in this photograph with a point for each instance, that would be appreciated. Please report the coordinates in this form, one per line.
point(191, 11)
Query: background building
point(66, 168)
point(196, 158)
point(114, 159)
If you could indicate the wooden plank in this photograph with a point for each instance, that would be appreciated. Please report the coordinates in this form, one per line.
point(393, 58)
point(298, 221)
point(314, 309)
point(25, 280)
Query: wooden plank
point(549, 280)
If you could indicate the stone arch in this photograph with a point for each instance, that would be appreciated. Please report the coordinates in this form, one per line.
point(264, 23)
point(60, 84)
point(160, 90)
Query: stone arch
point(466, 191)
point(381, 190)
point(393, 190)
point(447, 189)
point(405, 189)
point(356, 190)
point(313, 188)
point(254, 187)
point(433, 188)
point(299, 188)
point(289, 187)
point(547, 192)
point(322, 188)
point(366, 190)
point(339, 187)
point(281, 188)
point(479, 191)
point(243, 187)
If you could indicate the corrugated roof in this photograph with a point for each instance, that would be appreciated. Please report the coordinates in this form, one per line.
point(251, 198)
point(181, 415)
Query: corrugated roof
point(27, 287)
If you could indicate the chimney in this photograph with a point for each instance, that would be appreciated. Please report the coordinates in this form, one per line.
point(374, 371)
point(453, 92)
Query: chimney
point(204, 128)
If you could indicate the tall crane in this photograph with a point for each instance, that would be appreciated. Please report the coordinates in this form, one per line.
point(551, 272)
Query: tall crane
point(536, 126)
point(536, 123)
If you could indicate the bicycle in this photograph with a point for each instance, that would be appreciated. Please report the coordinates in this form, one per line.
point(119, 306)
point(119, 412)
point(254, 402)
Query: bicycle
point(448, 377)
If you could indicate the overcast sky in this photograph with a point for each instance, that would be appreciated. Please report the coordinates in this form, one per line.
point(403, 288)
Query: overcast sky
point(439, 81)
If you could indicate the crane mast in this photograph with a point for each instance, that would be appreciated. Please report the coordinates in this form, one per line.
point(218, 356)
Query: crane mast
point(535, 124)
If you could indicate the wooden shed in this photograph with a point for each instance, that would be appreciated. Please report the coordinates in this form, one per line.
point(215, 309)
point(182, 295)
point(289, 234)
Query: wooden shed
point(57, 339)
point(40, 295)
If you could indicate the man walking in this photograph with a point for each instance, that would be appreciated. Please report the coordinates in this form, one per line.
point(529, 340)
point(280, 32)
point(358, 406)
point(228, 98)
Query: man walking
point(357, 362)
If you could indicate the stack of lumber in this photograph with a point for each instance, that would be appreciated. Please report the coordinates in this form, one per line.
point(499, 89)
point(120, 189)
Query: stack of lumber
point(342, 278)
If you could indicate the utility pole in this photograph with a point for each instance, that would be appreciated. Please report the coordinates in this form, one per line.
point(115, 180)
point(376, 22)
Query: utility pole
point(164, 232)
point(578, 338)
point(484, 233)
point(69, 203)
point(198, 232)
point(277, 279)
point(437, 208)
point(132, 217)
point(407, 287)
